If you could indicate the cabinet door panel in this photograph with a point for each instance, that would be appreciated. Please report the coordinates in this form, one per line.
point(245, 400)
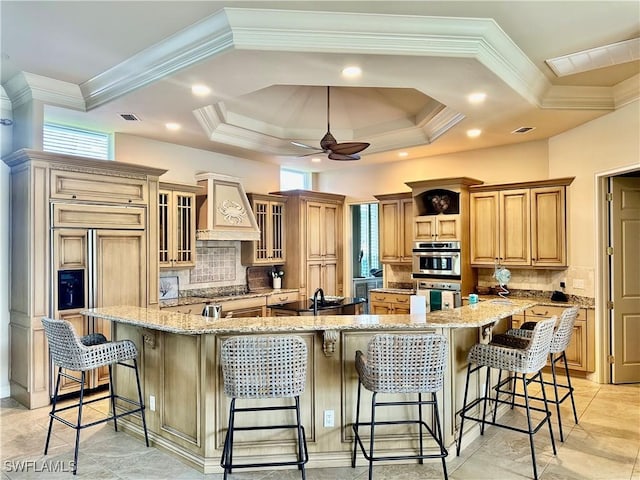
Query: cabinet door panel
point(330, 230)
point(484, 228)
point(330, 278)
point(389, 228)
point(514, 227)
point(407, 230)
point(314, 231)
point(425, 228)
point(314, 277)
point(548, 242)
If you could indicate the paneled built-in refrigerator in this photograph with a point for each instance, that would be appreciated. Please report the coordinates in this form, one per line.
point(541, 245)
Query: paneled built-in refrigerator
point(96, 267)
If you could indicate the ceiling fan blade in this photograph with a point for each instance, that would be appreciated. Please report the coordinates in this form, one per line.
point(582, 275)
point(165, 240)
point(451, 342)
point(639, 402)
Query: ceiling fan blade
point(303, 145)
point(348, 148)
point(339, 156)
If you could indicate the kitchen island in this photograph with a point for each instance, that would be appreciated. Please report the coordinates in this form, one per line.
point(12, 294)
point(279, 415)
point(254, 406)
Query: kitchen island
point(341, 306)
point(188, 414)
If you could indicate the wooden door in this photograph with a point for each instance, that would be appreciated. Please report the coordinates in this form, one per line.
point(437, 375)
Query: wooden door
point(425, 228)
point(330, 278)
point(120, 275)
point(406, 241)
point(625, 262)
point(514, 227)
point(315, 230)
point(314, 276)
point(548, 243)
point(390, 231)
point(165, 227)
point(184, 229)
point(448, 228)
point(331, 224)
point(276, 232)
point(484, 227)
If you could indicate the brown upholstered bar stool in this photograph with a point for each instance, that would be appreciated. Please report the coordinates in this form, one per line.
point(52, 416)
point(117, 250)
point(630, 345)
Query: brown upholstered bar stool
point(561, 338)
point(412, 364)
point(263, 367)
point(68, 352)
point(523, 357)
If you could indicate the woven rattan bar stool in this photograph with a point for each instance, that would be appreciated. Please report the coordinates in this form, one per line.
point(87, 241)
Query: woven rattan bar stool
point(69, 352)
point(264, 367)
point(412, 364)
point(523, 357)
point(561, 338)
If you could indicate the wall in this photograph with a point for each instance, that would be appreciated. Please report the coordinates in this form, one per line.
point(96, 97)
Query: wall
point(602, 145)
point(183, 163)
point(511, 163)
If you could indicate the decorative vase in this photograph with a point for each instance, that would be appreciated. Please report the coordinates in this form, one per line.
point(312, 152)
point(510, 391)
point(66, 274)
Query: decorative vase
point(277, 282)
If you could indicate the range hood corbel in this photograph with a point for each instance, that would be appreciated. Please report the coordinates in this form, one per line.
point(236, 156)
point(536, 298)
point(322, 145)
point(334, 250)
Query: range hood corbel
point(224, 212)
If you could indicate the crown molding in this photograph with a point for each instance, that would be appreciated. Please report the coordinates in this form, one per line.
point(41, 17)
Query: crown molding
point(627, 91)
point(25, 87)
point(579, 98)
point(208, 37)
point(442, 122)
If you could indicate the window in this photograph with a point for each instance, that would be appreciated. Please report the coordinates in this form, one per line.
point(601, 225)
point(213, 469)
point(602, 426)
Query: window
point(76, 141)
point(294, 180)
point(366, 250)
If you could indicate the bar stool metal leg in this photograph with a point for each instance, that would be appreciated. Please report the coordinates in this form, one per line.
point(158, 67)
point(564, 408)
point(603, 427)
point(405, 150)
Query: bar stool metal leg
point(53, 410)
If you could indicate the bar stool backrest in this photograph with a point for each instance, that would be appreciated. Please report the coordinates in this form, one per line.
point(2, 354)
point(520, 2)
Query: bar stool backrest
point(563, 333)
point(64, 344)
point(261, 366)
point(405, 363)
point(539, 345)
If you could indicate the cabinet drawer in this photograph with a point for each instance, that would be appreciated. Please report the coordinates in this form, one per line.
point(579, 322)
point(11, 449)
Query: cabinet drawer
point(73, 215)
point(381, 297)
point(283, 297)
point(193, 309)
point(545, 311)
point(98, 188)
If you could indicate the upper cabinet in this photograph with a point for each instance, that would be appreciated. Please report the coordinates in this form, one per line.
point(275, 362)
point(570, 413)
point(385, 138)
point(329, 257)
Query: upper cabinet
point(177, 225)
point(269, 249)
point(396, 227)
point(314, 242)
point(438, 227)
point(520, 224)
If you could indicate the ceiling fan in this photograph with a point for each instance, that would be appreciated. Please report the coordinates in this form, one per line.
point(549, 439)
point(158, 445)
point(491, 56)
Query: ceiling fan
point(330, 146)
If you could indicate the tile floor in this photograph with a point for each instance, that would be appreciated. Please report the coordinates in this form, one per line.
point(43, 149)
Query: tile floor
point(604, 445)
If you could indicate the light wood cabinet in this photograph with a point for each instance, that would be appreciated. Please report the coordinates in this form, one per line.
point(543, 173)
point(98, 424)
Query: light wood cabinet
point(270, 248)
point(519, 224)
point(581, 350)
point(381, 303)
point(177, 225)
point(438, 227)
point(396, 227)
point(314, 242)
point(95, 193)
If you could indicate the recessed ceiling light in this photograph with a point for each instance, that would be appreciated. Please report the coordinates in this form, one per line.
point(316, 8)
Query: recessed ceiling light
point(352, 71)
point(173, 126)
point(474, 132)
point(477, 97)
point(316, 160)
point(200, 90)
point(402, 154)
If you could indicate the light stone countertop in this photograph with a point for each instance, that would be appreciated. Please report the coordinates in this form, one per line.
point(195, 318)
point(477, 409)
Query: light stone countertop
point(477, 315)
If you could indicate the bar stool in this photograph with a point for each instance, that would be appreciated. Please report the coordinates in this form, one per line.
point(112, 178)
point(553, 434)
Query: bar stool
point(262, 367)
point(525, 357)
point(401, 364)
point(559, 343)
point(68, 352)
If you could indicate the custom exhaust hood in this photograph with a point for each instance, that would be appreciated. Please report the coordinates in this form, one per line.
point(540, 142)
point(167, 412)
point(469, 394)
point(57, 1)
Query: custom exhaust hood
point(224, 212)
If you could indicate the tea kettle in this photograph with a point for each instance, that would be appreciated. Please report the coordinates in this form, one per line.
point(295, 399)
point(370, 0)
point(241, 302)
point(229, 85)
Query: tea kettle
point(212, 310)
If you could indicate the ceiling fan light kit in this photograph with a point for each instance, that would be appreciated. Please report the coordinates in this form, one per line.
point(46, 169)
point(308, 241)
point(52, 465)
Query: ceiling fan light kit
point(344, 151)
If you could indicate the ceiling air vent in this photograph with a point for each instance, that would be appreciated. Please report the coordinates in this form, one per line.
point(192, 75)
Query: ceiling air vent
point(129, 117)
point(523, 129)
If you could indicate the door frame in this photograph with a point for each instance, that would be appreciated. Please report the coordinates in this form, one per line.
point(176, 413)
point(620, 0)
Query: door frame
point(602, 320)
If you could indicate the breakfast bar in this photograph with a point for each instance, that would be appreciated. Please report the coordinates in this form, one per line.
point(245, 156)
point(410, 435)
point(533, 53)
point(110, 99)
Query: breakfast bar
point(183, 387)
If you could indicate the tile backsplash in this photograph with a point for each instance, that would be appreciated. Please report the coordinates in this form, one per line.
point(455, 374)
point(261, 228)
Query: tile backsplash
point(217, 266)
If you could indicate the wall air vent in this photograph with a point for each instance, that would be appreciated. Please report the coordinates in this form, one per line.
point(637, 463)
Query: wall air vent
point(130, 117)
point(523, 129)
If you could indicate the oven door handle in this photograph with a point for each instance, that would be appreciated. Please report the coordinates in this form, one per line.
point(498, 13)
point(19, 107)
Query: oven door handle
point(436, 254)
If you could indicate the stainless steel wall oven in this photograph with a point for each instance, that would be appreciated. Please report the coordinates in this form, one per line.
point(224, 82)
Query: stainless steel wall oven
point(436, 260)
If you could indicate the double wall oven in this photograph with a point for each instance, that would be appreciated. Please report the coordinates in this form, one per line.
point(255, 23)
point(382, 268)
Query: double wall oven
point(436, 268)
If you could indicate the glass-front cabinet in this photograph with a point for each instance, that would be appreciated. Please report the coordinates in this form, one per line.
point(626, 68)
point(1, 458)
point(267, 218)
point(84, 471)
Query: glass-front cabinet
point(177, 225)
point(269, 249)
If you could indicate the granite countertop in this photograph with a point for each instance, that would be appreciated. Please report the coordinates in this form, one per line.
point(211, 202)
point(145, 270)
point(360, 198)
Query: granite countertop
point(477, 315)
point(191, 300)
point(307, 305)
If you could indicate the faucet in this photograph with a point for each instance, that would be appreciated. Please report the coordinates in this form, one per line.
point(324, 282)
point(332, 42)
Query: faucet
point(320, 292)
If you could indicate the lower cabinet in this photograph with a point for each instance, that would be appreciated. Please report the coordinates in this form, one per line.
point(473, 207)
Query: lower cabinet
point(381, 303)
point(581, 350)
